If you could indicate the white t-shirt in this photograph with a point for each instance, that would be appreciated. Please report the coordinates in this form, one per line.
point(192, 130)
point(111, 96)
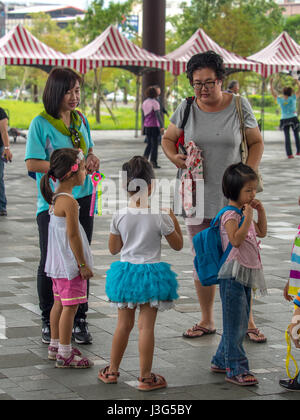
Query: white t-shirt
point(141, 234)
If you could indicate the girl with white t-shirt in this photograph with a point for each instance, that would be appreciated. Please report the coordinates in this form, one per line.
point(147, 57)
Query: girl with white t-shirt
point(139, 279)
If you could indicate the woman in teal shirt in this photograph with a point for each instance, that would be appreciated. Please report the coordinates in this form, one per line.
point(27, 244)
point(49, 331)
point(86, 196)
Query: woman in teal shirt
point(59, 126)
point(288, 105)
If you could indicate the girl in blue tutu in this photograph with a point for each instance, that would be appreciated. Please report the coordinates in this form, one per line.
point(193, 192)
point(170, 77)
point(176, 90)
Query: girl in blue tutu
point(139, 279)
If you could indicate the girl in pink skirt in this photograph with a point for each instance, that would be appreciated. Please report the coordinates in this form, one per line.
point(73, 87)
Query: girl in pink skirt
point(69, 260)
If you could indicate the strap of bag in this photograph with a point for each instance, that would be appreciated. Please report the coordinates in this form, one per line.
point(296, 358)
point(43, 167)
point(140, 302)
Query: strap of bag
point(189, 102)
point(289, 356)
point(217, 219)
point(244, 146)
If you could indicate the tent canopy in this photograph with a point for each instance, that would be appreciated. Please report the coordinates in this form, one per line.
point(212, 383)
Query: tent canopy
point(200, 42)
point(20, 47)
point(112, 49)
point(280, 55)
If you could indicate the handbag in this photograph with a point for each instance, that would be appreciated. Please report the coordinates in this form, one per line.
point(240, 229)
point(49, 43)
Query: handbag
point(244, 145)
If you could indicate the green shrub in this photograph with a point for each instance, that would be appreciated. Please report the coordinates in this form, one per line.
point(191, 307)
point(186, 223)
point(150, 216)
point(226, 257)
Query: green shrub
point(256, 100)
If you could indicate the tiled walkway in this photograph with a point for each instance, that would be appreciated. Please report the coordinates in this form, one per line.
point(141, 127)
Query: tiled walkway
point(26, 373)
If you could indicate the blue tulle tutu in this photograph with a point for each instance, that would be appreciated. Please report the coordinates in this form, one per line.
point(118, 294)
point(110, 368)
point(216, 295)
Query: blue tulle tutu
point(141, 283)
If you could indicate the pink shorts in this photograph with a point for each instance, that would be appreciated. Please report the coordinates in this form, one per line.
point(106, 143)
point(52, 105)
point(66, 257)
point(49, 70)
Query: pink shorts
point(70, 292)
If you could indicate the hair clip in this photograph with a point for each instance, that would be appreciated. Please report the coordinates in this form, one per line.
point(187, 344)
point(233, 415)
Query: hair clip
point(74, 168)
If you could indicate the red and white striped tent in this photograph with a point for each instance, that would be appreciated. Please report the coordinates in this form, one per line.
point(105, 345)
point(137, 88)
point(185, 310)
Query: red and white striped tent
point(280, 55)
point(20, 48)
point(112, 49)
point(200, 42)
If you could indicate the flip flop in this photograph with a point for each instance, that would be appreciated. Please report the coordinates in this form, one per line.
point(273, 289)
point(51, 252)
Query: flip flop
point(241, 380)
point(205, 331)
point(217, 369)
point(256, 332)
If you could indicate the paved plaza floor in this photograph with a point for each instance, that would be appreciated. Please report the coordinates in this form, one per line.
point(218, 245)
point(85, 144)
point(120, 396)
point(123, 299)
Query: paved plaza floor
point(26, 373)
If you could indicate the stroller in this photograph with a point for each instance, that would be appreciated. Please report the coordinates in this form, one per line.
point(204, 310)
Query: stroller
point(14, 132)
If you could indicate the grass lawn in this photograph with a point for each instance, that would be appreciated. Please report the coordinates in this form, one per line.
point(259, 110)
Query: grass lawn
point(21, 114)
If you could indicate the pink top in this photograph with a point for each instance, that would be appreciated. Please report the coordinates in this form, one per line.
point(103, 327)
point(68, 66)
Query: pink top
point(248, 254)
point(149, 107)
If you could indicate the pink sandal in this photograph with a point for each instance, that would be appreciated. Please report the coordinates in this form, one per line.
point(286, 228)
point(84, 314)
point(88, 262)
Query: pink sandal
point(152, 383)
point(70, 362)
point(53, 351)
point(108, 377)
point(241, 379)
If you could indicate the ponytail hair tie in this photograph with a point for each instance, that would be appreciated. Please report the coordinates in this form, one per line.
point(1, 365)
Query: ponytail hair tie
point(52, 177)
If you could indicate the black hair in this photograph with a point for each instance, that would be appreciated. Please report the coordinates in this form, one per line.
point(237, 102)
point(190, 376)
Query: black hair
point(232, 84)
point(210, 60)
point(151, 92)
point(59, 81)
point(234, 179)
point(138, 168)
point(61, 162)
point(287, 91)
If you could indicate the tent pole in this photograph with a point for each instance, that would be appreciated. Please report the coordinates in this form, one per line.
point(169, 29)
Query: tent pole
point(137, 104)
point(262, 113)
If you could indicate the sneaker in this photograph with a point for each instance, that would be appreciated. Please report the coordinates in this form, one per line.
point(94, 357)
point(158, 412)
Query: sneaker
point(290, 384)
point(3, 213)
point(46, 334)
point(290, 156)
point(81, 333)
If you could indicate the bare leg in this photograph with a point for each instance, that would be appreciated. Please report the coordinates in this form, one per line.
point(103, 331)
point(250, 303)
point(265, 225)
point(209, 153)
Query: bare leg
point(121, 336)
point(66, 324)
point(146, 325)
point(55, 315)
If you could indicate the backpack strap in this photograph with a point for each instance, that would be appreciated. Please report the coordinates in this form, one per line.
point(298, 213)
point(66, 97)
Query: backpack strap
point(217, 220)
point(81, 116)
point(189, 102)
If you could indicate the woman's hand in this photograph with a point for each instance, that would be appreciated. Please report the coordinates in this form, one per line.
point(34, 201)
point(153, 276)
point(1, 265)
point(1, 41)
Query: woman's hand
point(92, 163)
point(179, 161)
point(7, 155)
point(86, 273)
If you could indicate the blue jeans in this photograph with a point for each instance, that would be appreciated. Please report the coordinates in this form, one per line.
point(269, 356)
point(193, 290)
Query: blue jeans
point(236, 301)
point(2, 187)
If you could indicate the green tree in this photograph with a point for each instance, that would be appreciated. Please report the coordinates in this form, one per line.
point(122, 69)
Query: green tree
point(292, 26)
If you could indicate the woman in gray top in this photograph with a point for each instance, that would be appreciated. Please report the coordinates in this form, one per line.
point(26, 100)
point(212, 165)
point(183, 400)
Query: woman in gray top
point(213, 124)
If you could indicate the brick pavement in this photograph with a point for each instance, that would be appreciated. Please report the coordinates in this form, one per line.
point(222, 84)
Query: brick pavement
point(26, 373)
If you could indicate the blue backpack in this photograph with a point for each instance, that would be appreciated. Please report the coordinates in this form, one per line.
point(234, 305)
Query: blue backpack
point(208, 248)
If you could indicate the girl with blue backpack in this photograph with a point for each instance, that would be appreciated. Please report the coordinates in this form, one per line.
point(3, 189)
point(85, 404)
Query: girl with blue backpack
point(241, 272)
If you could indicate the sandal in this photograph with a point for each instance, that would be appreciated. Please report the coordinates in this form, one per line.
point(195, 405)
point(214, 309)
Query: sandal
point(195, 328)
point(241, 379)
point(108, 377)
point(152, 383)
point(260, 338)
point(71, 362)
point(53, 351)
point(217, 369)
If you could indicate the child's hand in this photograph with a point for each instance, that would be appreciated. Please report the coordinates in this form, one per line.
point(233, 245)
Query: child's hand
point(86, 273)
point(286, 292)
point(257, 205)
point(248, 211)
point(294, 330)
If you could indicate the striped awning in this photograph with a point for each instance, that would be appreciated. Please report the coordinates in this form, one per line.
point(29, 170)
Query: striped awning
point(112, 49)
point(200, 42)
point(283, 54)
point(20, 47)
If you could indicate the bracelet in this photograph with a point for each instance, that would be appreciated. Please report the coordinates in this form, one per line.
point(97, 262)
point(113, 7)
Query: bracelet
point(81, 265)
point(6, 147)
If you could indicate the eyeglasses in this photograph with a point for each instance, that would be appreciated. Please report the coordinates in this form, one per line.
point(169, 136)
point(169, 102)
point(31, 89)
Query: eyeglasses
point(206, 85)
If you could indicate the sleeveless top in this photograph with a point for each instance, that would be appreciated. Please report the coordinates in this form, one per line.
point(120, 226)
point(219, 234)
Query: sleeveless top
point(61, 262)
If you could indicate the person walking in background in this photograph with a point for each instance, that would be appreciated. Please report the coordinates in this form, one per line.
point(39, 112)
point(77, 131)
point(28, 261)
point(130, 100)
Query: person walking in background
point(139, 279)
point(233, 87)
point(5, 156)
point(163, 110)
point(213, 125)
point(69, 259)
point(289, 119)
point(153, 124)
point(241, 271)
point(60, 125)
